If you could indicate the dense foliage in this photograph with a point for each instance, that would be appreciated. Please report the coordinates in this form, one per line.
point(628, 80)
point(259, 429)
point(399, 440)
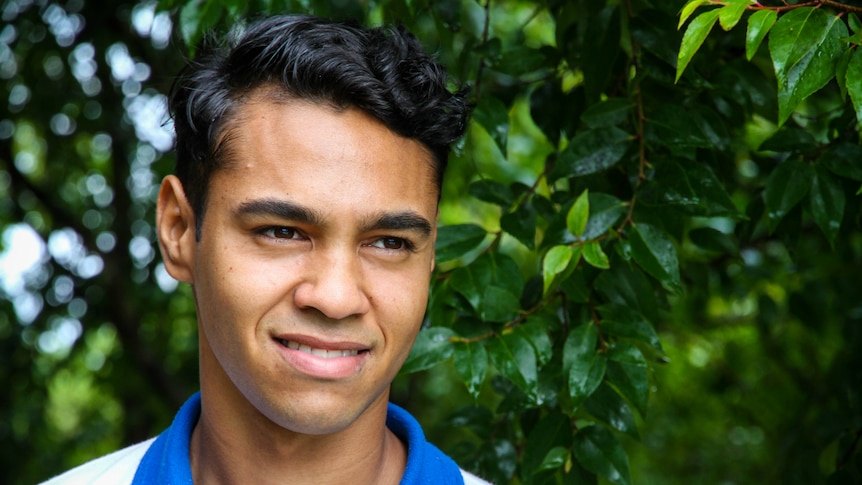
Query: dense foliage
point(648, 261)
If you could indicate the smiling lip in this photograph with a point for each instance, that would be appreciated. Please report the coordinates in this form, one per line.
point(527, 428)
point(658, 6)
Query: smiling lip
point(322, 360)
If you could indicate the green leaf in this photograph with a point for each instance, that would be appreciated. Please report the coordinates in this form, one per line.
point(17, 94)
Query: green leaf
point(433, 345)
point(677, 128)
point(535, 331)
point(556, 113)
point(759, 25)
point(627, 372)
point(196, 17)
point(605, 211)
point(600, 50)
point(520, 60)
point(687, 10)
point(594, 255)
point(654, 251)
point(729, 15)
point(556, 261)
point(592, 151)
point(786, 186)
point(579, 214)
point(493, 115)
point(608, 407)
point(627, 285)
point(498, 305)
point(583, 365)
point(456, 240)
point(790, 139)
point(489, 269)
point(855, 24)
point(611, 112)
point(841, 72)
point(515, 358)
point(842, 159)
point(521, 224)
point(691, 186)
point(853, 82)
point(625, 322)
point(713, 240)
point(599, 451)
point(555, 458)
point(827, 203)
point(492, 191)
point(471, 363)
point(553, 431)
point(693, 38)
point(805, 45)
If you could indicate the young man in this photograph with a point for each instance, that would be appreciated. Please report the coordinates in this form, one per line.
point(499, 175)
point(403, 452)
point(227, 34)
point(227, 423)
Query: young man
point(309, 161)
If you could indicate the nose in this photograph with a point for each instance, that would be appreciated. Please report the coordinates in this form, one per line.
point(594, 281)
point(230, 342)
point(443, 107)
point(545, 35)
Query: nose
point(333, 285)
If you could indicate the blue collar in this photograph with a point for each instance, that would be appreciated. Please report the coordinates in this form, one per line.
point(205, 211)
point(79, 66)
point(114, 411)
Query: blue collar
point(167, 459)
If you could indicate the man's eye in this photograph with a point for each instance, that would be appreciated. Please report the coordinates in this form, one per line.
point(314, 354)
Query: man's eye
point(393, 243)
point(280, 232)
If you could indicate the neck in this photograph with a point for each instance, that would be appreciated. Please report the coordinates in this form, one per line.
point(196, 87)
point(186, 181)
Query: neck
point(258, 451)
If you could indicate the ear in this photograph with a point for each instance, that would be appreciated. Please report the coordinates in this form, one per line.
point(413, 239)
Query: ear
point(175, 223)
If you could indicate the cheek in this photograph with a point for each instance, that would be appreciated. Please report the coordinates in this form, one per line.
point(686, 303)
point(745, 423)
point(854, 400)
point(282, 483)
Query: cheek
point(231, 295)
point(402, 307)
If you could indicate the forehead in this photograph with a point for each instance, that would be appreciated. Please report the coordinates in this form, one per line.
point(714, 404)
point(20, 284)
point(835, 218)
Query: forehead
point(287, 147)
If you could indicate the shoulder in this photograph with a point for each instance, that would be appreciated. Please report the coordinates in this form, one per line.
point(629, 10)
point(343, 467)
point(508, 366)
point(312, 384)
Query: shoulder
point(117, 468)
point(470, 479)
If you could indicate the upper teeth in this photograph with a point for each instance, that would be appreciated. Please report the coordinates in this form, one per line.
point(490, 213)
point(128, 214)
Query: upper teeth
point(326, 354)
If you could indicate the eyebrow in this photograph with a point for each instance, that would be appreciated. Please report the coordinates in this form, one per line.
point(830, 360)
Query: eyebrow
point(397, 221)
point(280, 208)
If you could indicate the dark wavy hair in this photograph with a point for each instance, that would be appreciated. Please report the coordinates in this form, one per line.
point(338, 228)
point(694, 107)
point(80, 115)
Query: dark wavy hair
point(382, 71)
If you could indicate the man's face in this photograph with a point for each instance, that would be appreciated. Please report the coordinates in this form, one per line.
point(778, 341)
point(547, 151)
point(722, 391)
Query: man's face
point(311, 277)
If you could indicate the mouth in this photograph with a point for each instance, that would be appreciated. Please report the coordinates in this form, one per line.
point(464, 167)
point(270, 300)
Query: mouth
point(323, 353)
point(328, 361)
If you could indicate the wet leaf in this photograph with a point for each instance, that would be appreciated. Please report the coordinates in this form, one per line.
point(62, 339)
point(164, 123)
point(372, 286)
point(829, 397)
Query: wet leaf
point(455, 240)
point(713, 240)
point(627, 372)
point(611, 112)
point(605, 211)
point(693, 38)
point(827, 202)
point(555, 458)
point(515, 358)
point(433, 345)
point(786, 187)
point(625, 322)
point(729, 15)
point(687, 10)
point(521, 224)
point(582, 363)
point(556, 260)
point(490, 269)
point(853, 82)
point(535, 331)
point(594, 255)
point(599, 451)
point(493, 192)
point(471, 363)
point(654, 250)
point(608, 407)
point(579, 214)
point(553, 431)
point(592, 151)
point(805, 44)
point(759, 25)
point(493, 115)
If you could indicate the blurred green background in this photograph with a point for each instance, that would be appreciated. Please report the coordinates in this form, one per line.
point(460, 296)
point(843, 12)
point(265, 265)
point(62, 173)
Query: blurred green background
point(98, 344)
